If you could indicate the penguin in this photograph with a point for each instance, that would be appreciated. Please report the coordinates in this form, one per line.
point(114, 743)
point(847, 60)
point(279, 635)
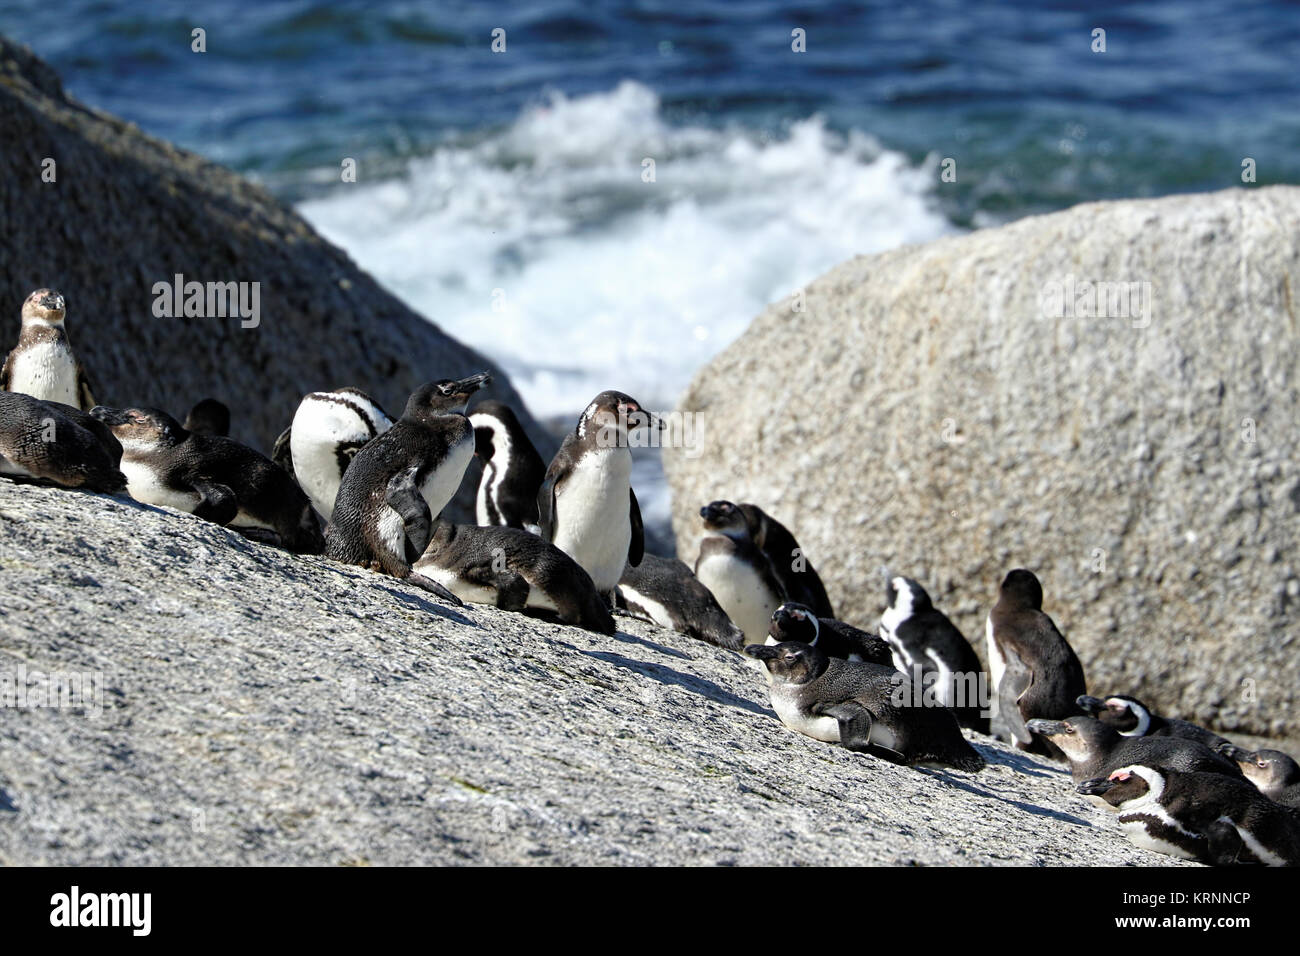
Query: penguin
point(327, 431)
point(53, 443)
point(399, 482)
point(664, 591)
point(212, 477)
point(860, 706)
point(514, 570)
point(1275, 774)
point(1198, 816)
point(799, 580)
point(924, 641)
point(208, 417)
point(1132, 718)
point(1033, 671)
point(1094, 750)
point(43, 364)
point(586, 506)
point(797, 622)
point(737, 572)
point(513, 471)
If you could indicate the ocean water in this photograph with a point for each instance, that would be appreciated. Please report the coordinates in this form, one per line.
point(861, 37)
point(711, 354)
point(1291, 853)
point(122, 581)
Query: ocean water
point(502, 194)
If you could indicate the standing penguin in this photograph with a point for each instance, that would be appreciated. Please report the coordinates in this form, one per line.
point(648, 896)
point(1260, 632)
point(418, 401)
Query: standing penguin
point(1132, 718)
point(212, 477)
point(1035, 673)
point(924, 640)
point(513, 471)
point(43, 364)
point(855, 705)
point(327, 431)
point(586, 506)
point(56, 443)
point(1199, 816)
point(399, 482)
point(1275, 774)
point(799, 580)
point(732, 566)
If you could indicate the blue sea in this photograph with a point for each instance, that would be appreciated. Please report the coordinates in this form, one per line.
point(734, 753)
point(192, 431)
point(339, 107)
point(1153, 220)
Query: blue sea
point(503, 194)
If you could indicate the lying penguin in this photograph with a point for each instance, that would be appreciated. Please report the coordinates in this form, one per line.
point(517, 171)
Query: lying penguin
point(1275, 774)
point(923, 640)
point(513, 570)
point(853, 703)
point(1132, 718)
point(797, 622)
point(1094, 750)
point(1198, 816)
point(53, 443)
point(663, 591)
point(212, 477)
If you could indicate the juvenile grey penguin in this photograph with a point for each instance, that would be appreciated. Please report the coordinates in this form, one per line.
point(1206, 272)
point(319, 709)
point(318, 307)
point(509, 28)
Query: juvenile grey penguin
point(924, 641)
point(327, 431)
point(1132, 718)
point(1094, 750)
point(43, 364)
point(1199, 816)
point(853, 703)
point(1276, 775)
point(797, 622)
point(49, 442)
point(737, 572)
point(1035, 673)
point(798, 578)
point(399, 483)
point(514, 570)
point(513, 471)
point(208, 417)
point(586, 505)
point(665, 592)
point(212, 477)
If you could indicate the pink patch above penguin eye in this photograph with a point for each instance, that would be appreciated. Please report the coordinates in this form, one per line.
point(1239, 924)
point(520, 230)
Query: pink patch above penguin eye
point(1120, 775)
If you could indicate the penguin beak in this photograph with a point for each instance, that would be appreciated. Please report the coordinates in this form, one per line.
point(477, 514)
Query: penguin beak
point(764, 652)
point(468, 386)
point(109, 416)
point(1233, 752)
point(1049, 728)
point(1094, 787)
point(1090, 705)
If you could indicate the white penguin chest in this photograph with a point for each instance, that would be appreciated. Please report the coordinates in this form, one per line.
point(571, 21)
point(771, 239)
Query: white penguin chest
point(472, 593)
point(796, 718)
point(741, 592)
point(442, 482)
point(47, 371)
point(997, 665)
point(320, 428)
point(592, 514)
point(144, 485)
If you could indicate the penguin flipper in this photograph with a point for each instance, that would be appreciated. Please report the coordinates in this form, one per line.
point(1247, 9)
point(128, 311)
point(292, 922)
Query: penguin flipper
point(546, 508)
point(7, 373)
point(403, 496)
point(855, 730)
point(281, 454)
point(635, 550)
point(434, 588)
point(217, 502)
point(85, 394)
point(1009, 722)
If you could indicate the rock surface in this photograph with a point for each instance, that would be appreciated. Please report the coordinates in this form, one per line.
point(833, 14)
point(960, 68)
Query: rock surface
point(261, 708)
point(926, 411)
point(127, 211)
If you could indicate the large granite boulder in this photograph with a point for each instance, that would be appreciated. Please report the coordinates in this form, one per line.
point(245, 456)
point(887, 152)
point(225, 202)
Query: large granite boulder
point(960, 408)
point(125, 212)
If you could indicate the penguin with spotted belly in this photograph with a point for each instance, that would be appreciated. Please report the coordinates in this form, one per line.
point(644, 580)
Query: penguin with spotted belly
point(863, 707)
point(400, 481)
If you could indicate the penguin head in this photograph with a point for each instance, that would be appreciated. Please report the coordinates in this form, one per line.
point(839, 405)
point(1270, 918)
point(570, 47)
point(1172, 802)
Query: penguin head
point(906, 596)
point(612, 416)
point(140, 427)
point(794, 622)
point(1021, 589)
point(1127, 715)
point(209, 417)
point(1077, 737)
point(723, 517)
point(790, 662)
point(44, 305)
point(1126, 785)
point(1266, 769)
point(444, 396)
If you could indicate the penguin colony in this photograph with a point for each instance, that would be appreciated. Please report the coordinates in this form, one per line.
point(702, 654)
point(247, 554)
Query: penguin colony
point(565, 542)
